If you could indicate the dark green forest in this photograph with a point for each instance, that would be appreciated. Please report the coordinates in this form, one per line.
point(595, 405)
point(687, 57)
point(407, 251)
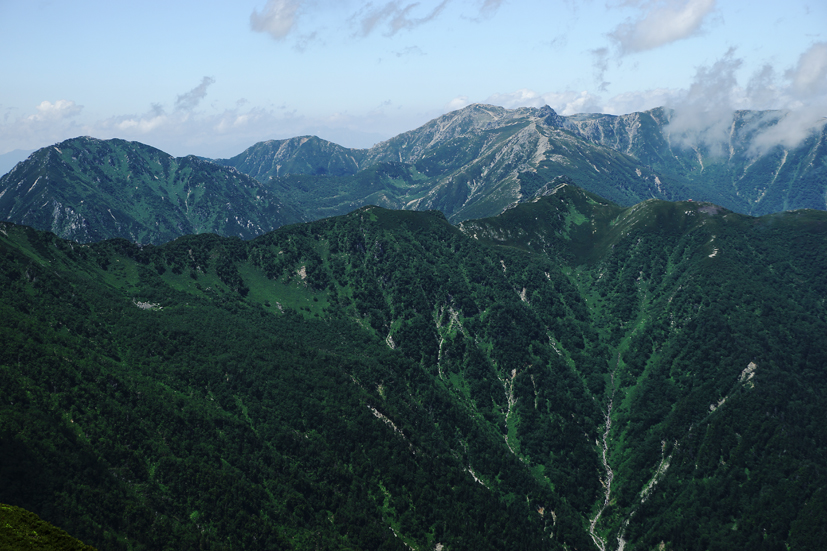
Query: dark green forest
point(571, 374)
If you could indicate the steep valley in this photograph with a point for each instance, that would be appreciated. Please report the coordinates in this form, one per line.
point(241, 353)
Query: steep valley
point(569, 374)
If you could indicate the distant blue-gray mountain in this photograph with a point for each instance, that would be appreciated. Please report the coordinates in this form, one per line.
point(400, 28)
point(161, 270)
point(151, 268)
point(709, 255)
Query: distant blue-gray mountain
point(471, 163)
point(87, 190)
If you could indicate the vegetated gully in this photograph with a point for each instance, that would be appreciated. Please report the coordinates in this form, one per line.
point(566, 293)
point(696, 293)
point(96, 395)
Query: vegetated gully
point(603, 444)
point(609, 474)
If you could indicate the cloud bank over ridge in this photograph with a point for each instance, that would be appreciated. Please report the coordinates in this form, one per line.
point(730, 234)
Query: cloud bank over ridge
point(703, 115)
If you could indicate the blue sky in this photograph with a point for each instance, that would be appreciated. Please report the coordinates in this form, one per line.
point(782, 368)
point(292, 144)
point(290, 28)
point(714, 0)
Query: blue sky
point(213, 77)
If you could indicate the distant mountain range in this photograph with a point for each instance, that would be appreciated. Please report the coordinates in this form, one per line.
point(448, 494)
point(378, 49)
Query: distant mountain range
point(744, 171)
point(471, 163)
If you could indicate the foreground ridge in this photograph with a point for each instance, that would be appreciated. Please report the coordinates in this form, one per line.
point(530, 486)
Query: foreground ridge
point(569, 373)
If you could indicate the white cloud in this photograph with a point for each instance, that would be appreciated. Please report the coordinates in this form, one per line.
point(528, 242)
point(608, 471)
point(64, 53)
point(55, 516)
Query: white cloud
point(458, 103)
point(49, 123)
point(638, 101)
point(520, 98)
point(809, 77)
point(570, 103)
point(762, 91)
point(792, 129)
point(704, 115)
point(663, 22)
point(61, 109)
point(277, 18)
point(805, 98)
point(213, 134)
point(129, 124)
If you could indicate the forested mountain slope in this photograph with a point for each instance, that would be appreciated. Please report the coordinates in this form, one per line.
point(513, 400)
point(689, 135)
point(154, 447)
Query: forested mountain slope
point(89, 190)
point(569, 374)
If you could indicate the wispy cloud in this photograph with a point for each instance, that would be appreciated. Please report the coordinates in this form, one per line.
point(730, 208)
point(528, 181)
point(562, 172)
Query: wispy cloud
point(656, 23)
point(457, 103)
point(805, 97)
point(153, 119)
point(487, 9)
point(304, 41)
point(640, 100)
point(662, 22)
point(395, 15)
point(50, 122)
point(601, 65)
point(181, 129)
point(409, 51)
point(191, 99)
point(278, 18)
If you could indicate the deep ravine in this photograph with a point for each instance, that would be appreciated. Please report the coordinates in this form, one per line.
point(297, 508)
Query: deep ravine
point(609, 473)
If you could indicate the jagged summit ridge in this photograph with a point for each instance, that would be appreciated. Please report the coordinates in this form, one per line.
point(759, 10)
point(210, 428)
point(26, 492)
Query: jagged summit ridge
point(473, 119)
point(472, 163)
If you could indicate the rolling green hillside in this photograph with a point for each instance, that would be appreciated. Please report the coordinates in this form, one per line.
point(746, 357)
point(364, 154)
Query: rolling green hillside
point(569, 374)
point(89, 190)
